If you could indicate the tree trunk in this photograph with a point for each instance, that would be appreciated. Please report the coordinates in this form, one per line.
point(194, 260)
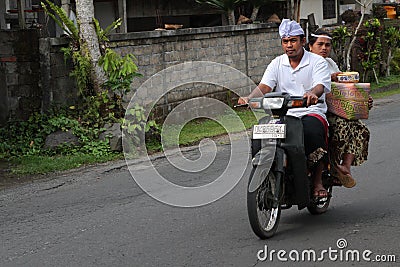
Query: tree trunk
point(348, 56)
point(389, 59)
point(85, 15)
point(364, 5)
point(298, 11)
point(231, 17)
point(254, 13)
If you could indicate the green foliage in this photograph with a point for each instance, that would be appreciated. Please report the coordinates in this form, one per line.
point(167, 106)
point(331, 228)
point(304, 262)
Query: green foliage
point(392, 40)
point(77, 50)
point(22, 138)
point(103, 34)
point(371, 48)
point(392, 37)
point(61, 18)
point(81, 72)
point(340, 42)
point(395, 62)
point(120, 71)
point(135, 124)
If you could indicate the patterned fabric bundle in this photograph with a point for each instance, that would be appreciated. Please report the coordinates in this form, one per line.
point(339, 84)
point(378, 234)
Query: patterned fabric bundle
point(349, 100)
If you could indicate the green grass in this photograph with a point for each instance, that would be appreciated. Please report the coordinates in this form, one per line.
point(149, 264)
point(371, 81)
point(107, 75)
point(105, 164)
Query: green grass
point(385, 82)
point(28, 165)
point(198, 129)
point(385, 94)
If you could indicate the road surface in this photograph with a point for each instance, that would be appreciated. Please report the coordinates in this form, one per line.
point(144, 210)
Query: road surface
point(98, 216)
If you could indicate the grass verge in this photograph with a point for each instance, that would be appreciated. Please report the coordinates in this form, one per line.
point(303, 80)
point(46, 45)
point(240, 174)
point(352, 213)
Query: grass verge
point(29, 165)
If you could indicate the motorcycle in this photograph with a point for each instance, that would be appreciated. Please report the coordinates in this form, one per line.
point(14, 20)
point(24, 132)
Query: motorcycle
point(280, 176)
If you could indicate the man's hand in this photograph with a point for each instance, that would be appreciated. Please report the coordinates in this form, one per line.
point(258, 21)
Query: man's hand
point(312, 98)
point(243, 100)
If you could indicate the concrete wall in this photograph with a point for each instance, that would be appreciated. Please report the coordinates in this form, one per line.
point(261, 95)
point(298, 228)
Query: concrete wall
point(316, 7)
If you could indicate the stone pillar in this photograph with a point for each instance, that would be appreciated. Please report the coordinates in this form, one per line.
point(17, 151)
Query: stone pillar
point(45, 69)
point(3, 95)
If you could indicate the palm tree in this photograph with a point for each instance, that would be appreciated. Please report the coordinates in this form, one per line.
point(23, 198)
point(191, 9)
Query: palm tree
point(85, 15)
point(228, 6)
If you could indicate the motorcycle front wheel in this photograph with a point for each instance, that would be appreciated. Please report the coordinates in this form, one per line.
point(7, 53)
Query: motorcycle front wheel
point(264, 219)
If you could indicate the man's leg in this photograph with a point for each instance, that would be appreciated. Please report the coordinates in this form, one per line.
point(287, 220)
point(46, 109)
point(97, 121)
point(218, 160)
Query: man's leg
point(314, 138)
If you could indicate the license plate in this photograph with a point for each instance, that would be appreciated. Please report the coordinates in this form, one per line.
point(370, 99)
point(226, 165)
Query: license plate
point(264, 131)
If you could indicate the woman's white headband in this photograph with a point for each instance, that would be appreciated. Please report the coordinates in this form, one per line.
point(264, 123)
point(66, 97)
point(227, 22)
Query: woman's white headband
point(322, 36)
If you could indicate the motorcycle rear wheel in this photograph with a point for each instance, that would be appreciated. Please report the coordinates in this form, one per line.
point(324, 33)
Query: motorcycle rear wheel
point(264, 219)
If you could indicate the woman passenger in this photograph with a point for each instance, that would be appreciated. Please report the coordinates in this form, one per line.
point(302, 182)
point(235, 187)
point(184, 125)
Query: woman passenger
point(349, 140)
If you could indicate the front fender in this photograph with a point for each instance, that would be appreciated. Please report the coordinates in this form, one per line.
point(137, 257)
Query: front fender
point(262, 163)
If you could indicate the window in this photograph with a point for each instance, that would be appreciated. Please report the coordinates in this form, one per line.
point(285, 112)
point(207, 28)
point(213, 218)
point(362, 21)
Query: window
point(329, 9)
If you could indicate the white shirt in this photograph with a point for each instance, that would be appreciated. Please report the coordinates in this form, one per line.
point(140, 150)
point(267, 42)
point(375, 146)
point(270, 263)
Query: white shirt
point(312, 70)
point(333, 67)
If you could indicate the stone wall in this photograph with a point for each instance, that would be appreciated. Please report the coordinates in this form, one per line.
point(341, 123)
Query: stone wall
point(34, 75)
point(59, 89)
point(20, 94)
point(247, 48)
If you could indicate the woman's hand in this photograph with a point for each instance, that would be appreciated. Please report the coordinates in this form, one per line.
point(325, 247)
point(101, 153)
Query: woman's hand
point(334, 76)
point(370, 102)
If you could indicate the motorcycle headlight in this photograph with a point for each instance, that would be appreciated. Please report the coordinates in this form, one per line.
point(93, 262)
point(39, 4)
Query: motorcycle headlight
point(273, 103)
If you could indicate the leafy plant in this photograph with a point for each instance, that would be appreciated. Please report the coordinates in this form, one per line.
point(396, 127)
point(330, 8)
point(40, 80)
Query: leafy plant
point(371, 48)
point(120, 71)
point(77, 49)
point(61, 18)
point(22, 138)
point(364, 6)
point(135, 125)
point(340, 41)
point(392, 39)
point(395, 63)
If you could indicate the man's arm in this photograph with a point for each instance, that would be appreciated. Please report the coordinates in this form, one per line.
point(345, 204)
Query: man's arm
point(259, 91)
point(313, 95)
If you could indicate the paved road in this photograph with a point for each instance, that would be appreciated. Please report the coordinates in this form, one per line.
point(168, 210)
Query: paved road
point(98, 216)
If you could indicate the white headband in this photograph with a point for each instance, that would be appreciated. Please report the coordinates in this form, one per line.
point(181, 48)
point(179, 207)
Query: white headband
point(322, 36)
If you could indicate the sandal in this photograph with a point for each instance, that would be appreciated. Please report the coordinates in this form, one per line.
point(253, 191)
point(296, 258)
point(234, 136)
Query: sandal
point(336, 182)
point(321, 193)
point(345, 179)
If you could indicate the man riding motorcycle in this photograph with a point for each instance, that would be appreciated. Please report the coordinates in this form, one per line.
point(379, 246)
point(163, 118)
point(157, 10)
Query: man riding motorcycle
point(299, 72)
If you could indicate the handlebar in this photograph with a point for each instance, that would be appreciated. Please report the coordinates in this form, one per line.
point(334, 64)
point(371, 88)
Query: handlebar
point(241, 105)
point(320, 101)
